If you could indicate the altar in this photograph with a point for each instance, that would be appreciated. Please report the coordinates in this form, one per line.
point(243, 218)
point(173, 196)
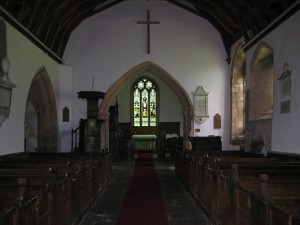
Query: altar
point(144, 141)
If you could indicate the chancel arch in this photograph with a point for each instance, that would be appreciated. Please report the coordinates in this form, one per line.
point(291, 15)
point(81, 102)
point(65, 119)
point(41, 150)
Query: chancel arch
point(41, 115)
point(260, 108)
point(163, 76)
point(238, 75)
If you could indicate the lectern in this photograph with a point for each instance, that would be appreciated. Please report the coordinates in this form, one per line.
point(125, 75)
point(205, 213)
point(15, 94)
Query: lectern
point(90, 128)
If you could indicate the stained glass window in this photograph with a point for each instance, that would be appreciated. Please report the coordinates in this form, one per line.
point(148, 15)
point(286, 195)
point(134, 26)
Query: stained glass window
point(144, 103)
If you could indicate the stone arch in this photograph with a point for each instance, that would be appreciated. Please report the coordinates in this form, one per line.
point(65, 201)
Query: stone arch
point(174, 85)
point(261, 97)
point(41, 115)
point(238, 78)
point(261, 82)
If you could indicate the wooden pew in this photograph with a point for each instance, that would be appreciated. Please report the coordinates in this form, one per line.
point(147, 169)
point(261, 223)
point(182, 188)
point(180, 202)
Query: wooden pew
point(228, 197)
point(283, 210)
point(244, 205)
point(259, 196)
point(58, 197)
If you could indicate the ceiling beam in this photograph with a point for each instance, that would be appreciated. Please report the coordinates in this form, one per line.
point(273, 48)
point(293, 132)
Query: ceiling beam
point(22, 29)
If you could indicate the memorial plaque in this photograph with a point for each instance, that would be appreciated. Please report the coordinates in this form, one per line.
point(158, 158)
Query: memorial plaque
point(285, 107)
point(201, 105)
point(286, 81)
point(66, 114)
point(217, 121)
point(5, 97)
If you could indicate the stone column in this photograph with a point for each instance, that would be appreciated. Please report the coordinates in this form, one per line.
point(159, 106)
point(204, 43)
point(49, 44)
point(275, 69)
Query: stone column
point(188, 127)
point(105, 130)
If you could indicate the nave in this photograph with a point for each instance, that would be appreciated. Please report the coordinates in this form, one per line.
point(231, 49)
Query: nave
point(180, 207)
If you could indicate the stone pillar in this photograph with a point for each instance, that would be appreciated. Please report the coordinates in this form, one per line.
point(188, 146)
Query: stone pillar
point(188, 127)
point(105, 130)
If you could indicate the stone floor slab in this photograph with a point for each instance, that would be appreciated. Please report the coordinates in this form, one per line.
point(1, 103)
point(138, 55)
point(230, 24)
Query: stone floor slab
point(181, 207)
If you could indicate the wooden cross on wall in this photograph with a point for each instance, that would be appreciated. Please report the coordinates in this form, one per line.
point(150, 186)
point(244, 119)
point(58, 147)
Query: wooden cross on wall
point(148, 23)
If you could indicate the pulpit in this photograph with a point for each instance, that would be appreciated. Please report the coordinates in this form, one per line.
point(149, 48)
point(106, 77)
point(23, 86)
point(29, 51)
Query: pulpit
point(90, 136)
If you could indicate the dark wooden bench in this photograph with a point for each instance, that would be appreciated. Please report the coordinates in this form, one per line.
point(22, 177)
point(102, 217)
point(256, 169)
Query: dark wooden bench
point(58, 197)
point(258, 197)
point(233, 197)
point(246, 204)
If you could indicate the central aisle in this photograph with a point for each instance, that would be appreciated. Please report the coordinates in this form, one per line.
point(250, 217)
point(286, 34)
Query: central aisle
point(143, 203)
point(180, 206)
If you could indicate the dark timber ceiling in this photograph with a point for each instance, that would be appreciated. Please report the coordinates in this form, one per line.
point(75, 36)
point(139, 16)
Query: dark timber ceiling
point(52, 21)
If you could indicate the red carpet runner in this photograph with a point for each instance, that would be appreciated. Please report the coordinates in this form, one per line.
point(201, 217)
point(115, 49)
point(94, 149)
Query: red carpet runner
point(143, 204)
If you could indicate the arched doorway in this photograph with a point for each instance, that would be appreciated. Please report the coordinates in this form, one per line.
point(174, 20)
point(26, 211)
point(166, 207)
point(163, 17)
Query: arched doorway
point(41, 115)
point(183, 97)
point(260, 104)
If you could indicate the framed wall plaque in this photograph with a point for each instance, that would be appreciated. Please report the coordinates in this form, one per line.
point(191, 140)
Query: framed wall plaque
point(217, 121)
point(286, 81)
point(66, 114)
point(5, 99)
point(285, 107)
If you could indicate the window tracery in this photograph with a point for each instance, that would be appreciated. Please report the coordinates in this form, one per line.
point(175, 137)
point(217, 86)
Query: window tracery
point(145, 103)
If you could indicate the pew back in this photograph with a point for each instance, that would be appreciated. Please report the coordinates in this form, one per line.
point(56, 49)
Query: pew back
point(33, 194)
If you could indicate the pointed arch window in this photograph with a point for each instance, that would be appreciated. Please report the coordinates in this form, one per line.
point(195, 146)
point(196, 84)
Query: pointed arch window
point(145, 99)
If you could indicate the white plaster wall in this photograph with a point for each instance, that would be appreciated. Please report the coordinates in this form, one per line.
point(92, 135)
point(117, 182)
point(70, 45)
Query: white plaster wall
point(65, 100)
point(109, 44)
point(26, 59)
point(285, 43)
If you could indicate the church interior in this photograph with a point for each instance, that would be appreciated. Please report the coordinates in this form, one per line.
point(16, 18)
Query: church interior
point(96, 94)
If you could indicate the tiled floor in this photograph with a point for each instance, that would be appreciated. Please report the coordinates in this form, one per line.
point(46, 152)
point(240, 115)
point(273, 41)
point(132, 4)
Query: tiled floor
point(180, 206)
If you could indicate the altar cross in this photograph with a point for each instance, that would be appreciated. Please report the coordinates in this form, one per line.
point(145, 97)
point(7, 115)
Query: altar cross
point(148, 23)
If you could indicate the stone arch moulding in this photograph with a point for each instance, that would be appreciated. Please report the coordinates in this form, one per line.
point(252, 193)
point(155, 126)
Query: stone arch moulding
point(258, 49)
point(42, 98)
point(188, 117)
point(262, 70)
